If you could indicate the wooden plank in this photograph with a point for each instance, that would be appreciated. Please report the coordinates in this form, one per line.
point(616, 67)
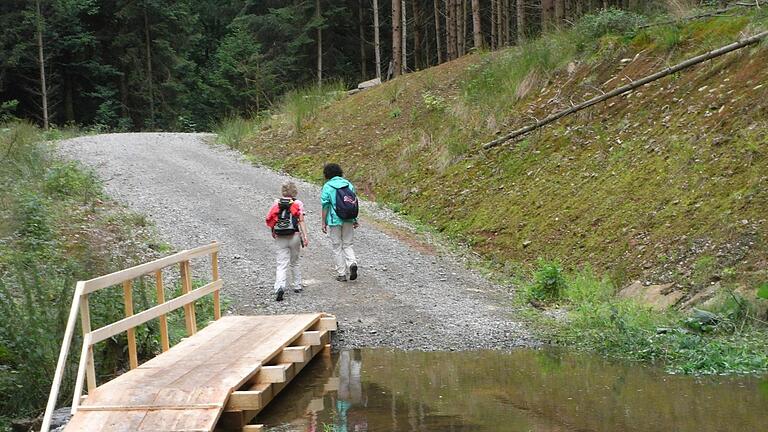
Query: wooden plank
point(100, 282)
point(294, 354)
point(308, 338)
point(82, 365)
point(202, 251)
point(153, 312)
point(147, 407)
point(326, 323)
point(245, 400)
point(215, 275)
point(133, 358)
point(58, 375)
point(189, 308)
point(274, 374)
point(253, 428)
point(165, 342)
point(203, 369)
point(85, 323)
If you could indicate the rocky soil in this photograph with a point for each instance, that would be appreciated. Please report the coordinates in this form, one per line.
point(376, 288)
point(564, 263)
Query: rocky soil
point(408, 295)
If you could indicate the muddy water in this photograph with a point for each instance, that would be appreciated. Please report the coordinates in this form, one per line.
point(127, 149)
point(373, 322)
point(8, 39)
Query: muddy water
point(526, 390)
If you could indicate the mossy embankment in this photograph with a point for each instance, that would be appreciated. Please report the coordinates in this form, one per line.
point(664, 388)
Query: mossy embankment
point(667, 184)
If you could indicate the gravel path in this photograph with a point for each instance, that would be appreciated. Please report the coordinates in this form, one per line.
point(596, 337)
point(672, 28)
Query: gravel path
point(406, 297)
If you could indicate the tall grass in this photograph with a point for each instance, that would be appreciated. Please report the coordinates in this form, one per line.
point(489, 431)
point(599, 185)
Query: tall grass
point(232, 131)
point(301, 105)
point(599, 321)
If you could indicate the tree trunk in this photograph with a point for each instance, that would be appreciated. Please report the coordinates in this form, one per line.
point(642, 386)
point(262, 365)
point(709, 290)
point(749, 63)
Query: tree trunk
point(376, 41)
point(418, 60)
point(361, 26)
point(520, 6)
point(150, 85)
point(547, 14)
point(319, 45)
point(499, 28)
point(493, 24)
point(463, 27)
point(559, 13)
point(404, 22)
point(438, 31)
point(397, 38)
point(506, 23)
point(477, 31)
point(41, 63)
point(449, 30)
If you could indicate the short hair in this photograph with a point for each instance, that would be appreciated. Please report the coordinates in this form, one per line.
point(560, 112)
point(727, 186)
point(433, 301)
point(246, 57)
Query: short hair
point(289, 189)
point(332, 170)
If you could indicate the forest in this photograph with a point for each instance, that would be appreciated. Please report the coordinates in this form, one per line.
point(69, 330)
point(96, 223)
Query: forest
point(133, 65)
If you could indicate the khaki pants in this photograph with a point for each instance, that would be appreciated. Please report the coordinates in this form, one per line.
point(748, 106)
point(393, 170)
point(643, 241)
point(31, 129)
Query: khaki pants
point(342, 237)
point(287, 255)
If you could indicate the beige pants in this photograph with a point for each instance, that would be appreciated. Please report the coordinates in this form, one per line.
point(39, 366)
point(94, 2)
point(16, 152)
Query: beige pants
point(342, 237)
point(287, 255)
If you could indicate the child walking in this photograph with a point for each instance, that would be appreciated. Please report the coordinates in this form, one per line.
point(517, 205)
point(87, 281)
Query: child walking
point(286, 220)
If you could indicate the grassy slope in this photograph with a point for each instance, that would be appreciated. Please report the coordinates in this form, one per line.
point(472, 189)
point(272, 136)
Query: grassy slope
point(667, 183)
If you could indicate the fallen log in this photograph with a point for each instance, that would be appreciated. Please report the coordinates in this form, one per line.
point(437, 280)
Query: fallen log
point(629, 87)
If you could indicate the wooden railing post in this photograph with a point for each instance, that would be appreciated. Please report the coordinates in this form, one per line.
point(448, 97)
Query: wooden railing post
point(215, 274)
point(128, 299)
point(85, 323)
point(189, 309)
point(164, 341)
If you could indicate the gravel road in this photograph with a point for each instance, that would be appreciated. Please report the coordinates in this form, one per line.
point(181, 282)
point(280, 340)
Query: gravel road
point(407, 296)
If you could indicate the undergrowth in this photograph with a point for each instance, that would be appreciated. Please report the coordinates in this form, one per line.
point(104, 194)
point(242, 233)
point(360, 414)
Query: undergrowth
point(58, 227)
point(727, 339)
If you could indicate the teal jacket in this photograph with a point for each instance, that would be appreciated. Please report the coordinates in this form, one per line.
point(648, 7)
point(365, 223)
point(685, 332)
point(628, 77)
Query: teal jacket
point(328, 199)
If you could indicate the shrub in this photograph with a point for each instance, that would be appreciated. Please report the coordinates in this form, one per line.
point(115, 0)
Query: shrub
point(610, 21)
point(69, 180)
point(549, 281)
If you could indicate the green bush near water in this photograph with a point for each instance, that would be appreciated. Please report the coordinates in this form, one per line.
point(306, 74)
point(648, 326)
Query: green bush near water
point(598, 321)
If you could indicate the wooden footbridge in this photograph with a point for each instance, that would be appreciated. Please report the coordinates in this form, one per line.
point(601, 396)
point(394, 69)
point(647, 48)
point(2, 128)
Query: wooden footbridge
point(217, 379)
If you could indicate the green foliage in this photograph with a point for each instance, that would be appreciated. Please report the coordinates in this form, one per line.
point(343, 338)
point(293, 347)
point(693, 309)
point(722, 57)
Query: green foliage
point(434, 102)
point(610, 21)
point(69, 180)
point(548, 281)
point(762, 291)
point(624, 329)
point(395, 112)
point(7, 109)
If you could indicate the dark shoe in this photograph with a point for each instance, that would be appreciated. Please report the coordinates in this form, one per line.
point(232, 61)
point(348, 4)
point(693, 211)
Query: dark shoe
point(280, 293)
point(353, 271)
point(298, 290)
point(341, 278)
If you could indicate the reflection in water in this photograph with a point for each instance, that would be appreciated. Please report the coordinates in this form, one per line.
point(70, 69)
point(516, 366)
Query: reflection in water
point(525, 390)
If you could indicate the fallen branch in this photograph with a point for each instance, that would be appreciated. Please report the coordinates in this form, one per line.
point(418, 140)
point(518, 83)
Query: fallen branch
point(629, 87)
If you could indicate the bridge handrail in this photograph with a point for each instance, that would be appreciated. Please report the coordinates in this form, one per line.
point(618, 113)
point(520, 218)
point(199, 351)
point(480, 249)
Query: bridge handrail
point(86, 368)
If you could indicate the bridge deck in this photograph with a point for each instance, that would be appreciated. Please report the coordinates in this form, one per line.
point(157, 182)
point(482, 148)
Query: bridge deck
point(188, 387)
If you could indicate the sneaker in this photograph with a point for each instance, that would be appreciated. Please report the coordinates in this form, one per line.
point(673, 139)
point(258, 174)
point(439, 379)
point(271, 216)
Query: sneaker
point(353, 271)
point(341, 278)
point(298, 290)
point(279, 296)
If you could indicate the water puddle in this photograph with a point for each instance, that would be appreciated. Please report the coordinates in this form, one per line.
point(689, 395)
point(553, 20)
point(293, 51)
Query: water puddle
point(525, 390)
